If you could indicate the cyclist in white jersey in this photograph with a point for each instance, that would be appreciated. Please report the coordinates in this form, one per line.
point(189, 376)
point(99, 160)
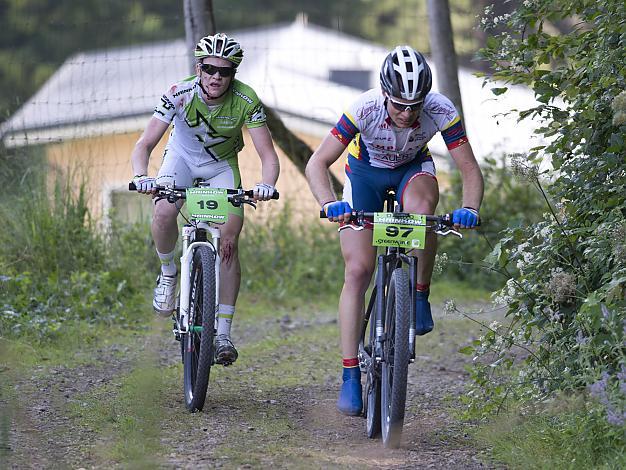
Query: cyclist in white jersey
point(208, 111)
point(387, 135)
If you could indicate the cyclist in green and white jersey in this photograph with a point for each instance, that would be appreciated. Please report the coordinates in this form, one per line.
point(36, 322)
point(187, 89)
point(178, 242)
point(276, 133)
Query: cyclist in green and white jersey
point(208, 111)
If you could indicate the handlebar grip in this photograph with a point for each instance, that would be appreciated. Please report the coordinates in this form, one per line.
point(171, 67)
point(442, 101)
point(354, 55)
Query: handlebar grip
point(132, 187)
point(323, 214)
point(275, 195)
point(448, 220)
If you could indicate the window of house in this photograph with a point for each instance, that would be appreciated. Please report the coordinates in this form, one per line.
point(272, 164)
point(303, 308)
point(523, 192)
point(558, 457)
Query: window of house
point(360, 79)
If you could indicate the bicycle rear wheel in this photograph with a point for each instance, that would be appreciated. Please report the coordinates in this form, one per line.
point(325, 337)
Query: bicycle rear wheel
point(198, 341)
point(396, 358)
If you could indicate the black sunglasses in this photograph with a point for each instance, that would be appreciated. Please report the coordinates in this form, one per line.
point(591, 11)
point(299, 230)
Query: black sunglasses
point(404, 106)
point(212, 69)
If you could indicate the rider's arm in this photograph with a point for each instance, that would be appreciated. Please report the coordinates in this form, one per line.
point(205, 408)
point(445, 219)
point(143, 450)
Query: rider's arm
point(270, 166)
point(473, 185)
point(318, 166)
point(146, 143)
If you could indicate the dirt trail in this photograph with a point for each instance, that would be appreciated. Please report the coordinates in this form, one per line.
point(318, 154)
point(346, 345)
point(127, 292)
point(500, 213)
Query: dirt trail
point(257, 414)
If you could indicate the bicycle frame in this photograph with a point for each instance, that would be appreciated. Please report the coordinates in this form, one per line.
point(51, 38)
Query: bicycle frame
point(189, 245)
point(392, 258)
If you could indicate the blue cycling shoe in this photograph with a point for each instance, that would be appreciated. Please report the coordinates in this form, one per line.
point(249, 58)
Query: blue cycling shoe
point(350, 400)
point(423, 317)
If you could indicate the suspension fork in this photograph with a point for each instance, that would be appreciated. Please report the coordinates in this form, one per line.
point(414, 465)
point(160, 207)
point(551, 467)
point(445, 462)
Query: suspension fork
point(377, 353)
point(412, 262)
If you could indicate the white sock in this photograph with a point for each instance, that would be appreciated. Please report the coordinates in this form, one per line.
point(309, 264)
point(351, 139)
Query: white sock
point(168, 266)
point(225, 314)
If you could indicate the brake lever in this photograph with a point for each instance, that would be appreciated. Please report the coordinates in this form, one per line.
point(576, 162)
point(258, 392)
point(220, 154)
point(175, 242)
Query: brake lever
point(444, 231)
point(250, 202)
point(239, 199)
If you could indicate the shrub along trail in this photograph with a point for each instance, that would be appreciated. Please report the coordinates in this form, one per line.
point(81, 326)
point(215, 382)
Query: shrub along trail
point(120, 403)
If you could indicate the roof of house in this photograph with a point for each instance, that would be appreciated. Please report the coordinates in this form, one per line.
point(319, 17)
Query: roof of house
point(305, 72)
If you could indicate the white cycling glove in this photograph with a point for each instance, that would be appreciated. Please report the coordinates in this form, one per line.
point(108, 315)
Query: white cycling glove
point(144, 183)
point(263, 191)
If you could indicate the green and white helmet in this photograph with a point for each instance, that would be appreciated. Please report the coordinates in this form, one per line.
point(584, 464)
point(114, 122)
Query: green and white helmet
point(219, 45)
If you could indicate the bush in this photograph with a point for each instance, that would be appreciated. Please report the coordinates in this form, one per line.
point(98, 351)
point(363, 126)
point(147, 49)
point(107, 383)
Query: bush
point(507, 203)
point(566, 304)
point(56, 267)
point(282, 258)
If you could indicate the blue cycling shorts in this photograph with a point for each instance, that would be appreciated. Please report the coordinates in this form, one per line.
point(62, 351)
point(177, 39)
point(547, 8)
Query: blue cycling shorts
point(365, 185)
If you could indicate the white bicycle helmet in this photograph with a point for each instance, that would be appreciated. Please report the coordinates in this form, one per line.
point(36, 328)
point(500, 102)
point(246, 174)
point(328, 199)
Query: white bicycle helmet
point(405, 74)
point(219, 45)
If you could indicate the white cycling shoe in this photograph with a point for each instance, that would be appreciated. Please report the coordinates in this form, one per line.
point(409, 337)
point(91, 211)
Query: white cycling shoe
point(164, 301)
point(225, 352)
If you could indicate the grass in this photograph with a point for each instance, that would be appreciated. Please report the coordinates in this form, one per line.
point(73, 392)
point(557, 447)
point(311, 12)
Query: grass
point(461, 292)
point(126, 416)
point(568, 434)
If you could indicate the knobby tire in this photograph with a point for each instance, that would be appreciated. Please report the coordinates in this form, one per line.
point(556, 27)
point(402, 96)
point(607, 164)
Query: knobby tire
point(371, 399)
point(199, 349)
point(396, 358)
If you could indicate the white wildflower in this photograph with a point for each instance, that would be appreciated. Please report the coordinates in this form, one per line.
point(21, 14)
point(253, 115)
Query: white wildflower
point(449, 306)
point(561, 286)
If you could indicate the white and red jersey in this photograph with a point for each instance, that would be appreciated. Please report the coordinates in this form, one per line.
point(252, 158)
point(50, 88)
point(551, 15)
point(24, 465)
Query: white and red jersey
point(372, 138)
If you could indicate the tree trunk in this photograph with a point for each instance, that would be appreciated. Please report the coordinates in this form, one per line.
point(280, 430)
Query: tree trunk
point(296, 150)
point(443, 53)
point(199, 22)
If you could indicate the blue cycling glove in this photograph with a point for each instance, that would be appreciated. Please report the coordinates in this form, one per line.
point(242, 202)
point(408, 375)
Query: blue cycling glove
point(465, 217)
point(337, 208)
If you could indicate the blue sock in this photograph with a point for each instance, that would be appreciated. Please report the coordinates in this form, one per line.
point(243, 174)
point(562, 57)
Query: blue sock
point(423, 316)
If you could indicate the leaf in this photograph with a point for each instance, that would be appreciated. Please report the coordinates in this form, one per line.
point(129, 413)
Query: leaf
point(499, 91)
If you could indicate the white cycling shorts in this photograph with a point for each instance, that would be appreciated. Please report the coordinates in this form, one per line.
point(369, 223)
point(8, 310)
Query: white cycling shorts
point(180, 172)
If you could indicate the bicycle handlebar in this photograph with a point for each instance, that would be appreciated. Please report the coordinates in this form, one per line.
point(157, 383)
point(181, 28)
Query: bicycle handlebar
point(360, 216)
point(443, 224)
point(173, 193)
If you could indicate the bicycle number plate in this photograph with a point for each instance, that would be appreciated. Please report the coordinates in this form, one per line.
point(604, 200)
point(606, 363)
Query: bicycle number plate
point(209, 204)
point(407, 231)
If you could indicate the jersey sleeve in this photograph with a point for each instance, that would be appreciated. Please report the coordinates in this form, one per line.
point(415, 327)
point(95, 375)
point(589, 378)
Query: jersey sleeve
point(448, 122)
point(454, 135)
point(255, 115)
point(166, 110)
point(345, 129)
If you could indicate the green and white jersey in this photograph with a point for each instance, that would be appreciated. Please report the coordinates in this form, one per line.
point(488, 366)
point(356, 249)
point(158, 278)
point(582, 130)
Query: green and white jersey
point(203, 134)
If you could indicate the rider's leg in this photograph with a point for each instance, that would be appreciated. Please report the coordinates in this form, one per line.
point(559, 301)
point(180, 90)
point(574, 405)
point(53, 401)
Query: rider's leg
point(164, 226)
point(165, 233)
point(230, 280)
point(230, 269)
point(421, 196)
point(173, 171)
point(359, 257)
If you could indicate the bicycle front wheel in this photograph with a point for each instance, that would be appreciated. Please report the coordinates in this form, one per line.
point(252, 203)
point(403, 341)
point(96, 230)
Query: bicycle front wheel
point(198, 341)
point(371, 398)
point(396, 358)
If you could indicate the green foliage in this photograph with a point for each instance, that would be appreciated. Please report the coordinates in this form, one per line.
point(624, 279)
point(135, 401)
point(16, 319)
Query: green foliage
point(507, 203)
point(282, 258)
point(563, 433)
point(37, 36)
point(55, 264)
point(566, 304)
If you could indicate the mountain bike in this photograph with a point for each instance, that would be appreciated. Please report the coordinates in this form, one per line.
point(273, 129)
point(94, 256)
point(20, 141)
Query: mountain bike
point(194, 317)
point(387, 342)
